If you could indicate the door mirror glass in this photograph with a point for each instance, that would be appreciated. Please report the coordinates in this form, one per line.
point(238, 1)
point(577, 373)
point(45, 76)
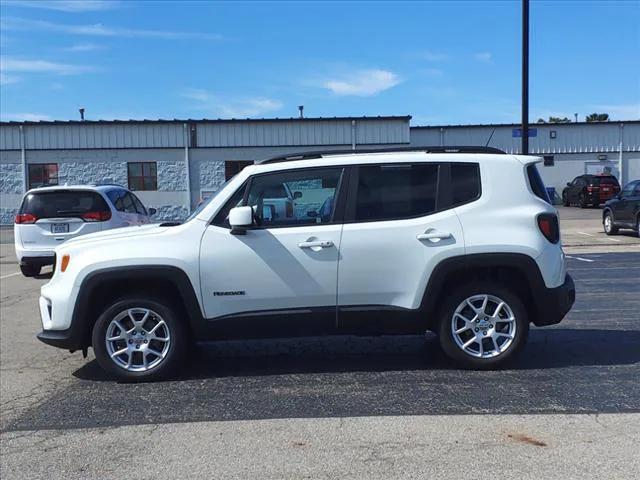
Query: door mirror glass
point(152, 211)
point(240, 218)
point(297, 195)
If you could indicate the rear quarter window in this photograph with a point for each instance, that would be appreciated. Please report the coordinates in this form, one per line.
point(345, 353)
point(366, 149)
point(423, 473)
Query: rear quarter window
point(536, 183)
point(465, 183)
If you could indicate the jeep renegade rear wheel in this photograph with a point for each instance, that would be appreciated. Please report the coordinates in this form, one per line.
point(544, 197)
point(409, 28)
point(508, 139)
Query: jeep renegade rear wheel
point(483, 325)
point(139, 339)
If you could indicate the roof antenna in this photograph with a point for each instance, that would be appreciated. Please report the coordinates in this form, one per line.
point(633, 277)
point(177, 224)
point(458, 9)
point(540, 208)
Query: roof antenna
point(490, 137)
point(81, 110)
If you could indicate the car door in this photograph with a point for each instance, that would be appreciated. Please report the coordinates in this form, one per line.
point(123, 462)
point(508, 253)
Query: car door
point(575, 189)
point(282, 264)
point(396, 231)
point(624, 212)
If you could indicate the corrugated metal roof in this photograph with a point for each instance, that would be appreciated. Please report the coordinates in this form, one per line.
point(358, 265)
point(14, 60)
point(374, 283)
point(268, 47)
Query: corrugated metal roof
point(73, 135)
point(531, 125)
point(206, 120)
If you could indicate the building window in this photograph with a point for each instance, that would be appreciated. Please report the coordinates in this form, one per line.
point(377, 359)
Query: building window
point(43, 174)
point(234, 167)
point(548, 161)
point(142, 175)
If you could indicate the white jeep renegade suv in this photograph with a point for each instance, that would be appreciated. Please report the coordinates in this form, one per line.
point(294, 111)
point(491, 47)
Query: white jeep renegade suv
point(461, 241)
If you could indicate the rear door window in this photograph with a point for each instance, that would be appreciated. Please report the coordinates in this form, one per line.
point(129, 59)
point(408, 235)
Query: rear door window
point(62, 203)
point(396, 191)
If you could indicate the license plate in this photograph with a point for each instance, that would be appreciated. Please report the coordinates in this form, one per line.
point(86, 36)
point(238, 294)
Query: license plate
point(60, 228)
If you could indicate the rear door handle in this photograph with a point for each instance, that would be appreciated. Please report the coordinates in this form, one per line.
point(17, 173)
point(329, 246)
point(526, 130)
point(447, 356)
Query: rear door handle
point(316, 244)
point(433, 235)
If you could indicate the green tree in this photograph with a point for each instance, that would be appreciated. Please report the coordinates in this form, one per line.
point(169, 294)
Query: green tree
point(597, 117)
point(559, 120)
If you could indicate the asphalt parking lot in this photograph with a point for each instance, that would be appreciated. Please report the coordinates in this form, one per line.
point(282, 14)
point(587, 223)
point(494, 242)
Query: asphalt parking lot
point(350, 407)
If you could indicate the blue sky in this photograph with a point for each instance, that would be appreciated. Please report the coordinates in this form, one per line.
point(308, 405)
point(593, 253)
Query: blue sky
point(441, 62)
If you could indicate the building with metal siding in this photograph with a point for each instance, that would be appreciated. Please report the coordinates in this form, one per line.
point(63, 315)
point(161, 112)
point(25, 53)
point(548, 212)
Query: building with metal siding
point(192, 158)
point(571, 149)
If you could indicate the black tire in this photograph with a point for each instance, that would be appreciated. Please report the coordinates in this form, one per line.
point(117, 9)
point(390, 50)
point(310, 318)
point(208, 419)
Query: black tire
point(565, 199)
point(582, 201)
point(446, 335)
point(30, 270)
point(177, 331)
point(612, 229)
point(638, 226)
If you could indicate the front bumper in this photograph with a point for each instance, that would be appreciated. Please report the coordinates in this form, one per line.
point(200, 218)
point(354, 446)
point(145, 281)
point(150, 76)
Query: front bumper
point(61, 339)
point(39, 261)
point(553, 304)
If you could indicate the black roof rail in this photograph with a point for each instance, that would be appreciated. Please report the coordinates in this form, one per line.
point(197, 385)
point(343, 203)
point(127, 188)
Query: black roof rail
point(426, 149)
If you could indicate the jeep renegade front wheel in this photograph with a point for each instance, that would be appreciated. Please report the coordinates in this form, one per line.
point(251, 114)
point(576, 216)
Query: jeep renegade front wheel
point(139, 339)
point(483, 325)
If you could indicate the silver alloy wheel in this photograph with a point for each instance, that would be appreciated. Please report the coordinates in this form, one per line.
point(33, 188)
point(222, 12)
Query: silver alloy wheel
point(483, 326)
point(608, 223)
point(137, 339)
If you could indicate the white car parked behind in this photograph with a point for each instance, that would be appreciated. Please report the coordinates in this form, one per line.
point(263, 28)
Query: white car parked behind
point(49, 216)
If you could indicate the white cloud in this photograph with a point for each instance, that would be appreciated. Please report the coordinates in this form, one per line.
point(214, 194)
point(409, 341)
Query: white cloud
point(23, 117)
point(8, 79)
point(229, 107)
point(84, 47)
point(433, 56)
point(72, 6)
point(100, 30)
point(432, 72)
point(8, 64)
point(483, 56)
point(363, 83)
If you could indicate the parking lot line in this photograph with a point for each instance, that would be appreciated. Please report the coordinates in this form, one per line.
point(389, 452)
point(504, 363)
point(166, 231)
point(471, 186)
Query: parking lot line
point(587, 234)
point(581, 259)
point(9, 275)
point(612, 239)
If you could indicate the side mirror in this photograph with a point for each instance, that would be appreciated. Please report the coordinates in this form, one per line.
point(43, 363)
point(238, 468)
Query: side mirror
point(297, 195)
point(568, 184)
point(240, 218)
point(151, 211)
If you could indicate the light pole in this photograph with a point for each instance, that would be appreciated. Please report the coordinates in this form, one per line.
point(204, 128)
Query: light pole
point(525, 77)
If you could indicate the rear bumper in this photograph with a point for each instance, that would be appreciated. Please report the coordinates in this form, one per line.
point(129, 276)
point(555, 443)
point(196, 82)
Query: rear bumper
point(554, 303)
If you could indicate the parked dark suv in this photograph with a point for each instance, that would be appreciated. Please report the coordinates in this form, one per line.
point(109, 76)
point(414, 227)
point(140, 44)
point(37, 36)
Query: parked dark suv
point(623, 211)
point(587, 190)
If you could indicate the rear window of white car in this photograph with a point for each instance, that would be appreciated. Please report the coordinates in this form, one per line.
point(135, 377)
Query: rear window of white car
point(62, 203)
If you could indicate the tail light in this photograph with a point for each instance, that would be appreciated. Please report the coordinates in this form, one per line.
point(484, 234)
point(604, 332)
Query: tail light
point(548, 225)
point(96, 216)
point(26, 218)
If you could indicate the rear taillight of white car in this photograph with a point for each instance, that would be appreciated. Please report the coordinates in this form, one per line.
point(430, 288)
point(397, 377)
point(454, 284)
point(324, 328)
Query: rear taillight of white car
point(97, 216)
point(548, 225)
point(24, 218)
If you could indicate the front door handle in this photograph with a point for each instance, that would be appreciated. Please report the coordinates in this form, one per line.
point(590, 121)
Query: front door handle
point(316, 244)
point(433, 235)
